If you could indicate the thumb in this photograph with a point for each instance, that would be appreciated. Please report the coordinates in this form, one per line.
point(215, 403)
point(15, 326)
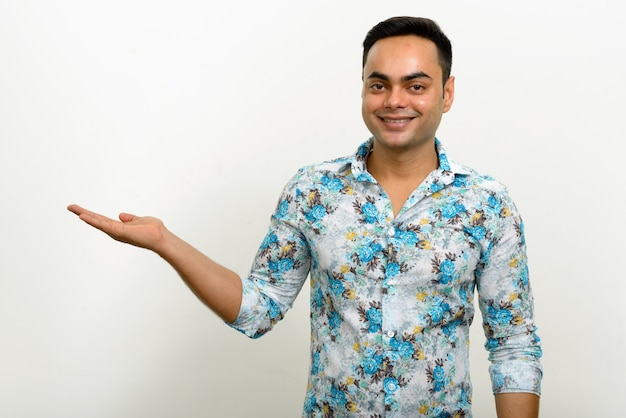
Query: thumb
point(126, 217)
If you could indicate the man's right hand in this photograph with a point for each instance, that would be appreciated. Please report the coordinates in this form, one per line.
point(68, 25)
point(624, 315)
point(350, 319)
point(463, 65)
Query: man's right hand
point(216, 286)
point(145, 232)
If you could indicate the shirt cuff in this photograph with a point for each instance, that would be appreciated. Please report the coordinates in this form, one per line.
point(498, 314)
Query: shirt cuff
point(516, 376)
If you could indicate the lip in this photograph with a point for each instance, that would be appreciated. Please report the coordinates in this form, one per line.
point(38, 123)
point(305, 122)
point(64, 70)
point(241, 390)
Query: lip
point(396, 122)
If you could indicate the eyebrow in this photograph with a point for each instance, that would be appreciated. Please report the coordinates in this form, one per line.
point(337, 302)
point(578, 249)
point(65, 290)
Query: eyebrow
point(409, 77)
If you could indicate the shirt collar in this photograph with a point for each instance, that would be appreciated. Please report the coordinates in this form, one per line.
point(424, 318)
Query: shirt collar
point(446, 167)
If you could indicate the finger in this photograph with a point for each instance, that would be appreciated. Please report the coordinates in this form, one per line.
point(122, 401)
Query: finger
point(98, 221)
point(101, 222)
point(74, 208)
point(80, 211)
point(84, 213)
point(127, 217)
point(112, 228)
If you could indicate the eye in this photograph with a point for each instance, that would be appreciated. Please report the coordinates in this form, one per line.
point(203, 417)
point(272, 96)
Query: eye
point(416, 88)
point(377, 86)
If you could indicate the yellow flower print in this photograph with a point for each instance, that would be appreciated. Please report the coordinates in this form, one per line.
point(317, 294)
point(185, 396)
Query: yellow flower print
point(426, 245)
point(423, 221)
point(505, 212)
point(437, 195)
point(513, 263)
point(421, 296)
point(351, 236)
point(423, 409)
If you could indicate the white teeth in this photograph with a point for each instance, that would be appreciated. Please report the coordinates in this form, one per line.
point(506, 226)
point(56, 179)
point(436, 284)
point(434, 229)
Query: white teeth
point(396, 120)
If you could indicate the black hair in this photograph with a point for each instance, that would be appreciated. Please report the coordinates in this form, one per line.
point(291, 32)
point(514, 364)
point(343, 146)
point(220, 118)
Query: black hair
point(418, 26)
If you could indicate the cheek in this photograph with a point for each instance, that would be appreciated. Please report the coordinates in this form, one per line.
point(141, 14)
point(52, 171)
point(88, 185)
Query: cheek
point(370, 102)
point(421, 102)
point(428, 104)
point(366, 114)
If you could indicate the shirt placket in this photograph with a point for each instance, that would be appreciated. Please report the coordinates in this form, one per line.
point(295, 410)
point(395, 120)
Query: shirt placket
point(389, 326)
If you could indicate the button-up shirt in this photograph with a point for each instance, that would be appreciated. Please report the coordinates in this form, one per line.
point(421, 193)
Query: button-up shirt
point(392, 298)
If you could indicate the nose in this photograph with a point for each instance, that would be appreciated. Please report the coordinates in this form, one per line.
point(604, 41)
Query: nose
point(396, 98)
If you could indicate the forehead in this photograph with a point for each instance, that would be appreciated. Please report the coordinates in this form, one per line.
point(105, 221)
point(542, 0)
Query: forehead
point(403, 55)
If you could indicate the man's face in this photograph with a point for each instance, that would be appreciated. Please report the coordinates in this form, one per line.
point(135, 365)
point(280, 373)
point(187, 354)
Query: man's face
point(403, 96)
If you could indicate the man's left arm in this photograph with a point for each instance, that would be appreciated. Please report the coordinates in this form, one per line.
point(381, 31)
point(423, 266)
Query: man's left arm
point(506, 303)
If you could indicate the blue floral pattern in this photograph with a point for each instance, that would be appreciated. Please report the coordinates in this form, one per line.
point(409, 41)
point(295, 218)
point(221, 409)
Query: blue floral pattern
point(392, 299)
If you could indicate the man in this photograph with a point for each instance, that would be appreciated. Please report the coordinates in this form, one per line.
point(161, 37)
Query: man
point(395, 239)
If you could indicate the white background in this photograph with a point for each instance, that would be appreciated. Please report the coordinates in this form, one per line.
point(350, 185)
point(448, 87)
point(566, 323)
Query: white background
point(199, 111)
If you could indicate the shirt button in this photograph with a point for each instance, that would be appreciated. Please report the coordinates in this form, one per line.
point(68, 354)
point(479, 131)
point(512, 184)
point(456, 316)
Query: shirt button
point(390, 334)
point(391, 232)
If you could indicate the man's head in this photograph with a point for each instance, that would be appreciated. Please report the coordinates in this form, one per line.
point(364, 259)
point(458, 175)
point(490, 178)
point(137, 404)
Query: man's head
point(407, 85)
point(417, 26)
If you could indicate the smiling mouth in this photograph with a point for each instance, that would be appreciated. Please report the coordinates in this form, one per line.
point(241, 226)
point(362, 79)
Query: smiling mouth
point(406, 120)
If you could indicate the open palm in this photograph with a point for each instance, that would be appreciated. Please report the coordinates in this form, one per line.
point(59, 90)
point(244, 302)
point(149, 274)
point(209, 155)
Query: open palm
point(145, 232)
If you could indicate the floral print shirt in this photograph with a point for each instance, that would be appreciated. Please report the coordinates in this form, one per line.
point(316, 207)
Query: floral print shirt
point(392, 297)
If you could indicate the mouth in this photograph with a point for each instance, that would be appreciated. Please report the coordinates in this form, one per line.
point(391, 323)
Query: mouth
point(395, 120)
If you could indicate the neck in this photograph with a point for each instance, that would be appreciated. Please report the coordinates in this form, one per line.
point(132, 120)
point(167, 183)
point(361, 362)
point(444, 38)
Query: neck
point(400, 173)
point(410, 166)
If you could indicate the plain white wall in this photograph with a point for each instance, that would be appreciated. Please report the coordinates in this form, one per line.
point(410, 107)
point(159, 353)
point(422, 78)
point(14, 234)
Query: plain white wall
point(198, 112)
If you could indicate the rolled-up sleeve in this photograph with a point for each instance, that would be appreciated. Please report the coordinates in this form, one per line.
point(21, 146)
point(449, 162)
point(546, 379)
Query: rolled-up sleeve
point(506, 304)
point(279, 270)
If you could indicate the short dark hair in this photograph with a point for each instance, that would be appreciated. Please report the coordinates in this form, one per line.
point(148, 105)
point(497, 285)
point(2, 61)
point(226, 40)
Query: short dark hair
point(418, 26)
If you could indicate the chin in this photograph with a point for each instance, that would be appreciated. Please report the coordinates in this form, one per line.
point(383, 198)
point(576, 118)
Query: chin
point(394, 141)
point(402, 143)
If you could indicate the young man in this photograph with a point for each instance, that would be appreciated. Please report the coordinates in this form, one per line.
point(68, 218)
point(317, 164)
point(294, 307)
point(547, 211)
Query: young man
point(395, 238)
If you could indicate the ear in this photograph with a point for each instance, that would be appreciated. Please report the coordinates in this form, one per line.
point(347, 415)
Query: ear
point(448, 94)
point(362, 81)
